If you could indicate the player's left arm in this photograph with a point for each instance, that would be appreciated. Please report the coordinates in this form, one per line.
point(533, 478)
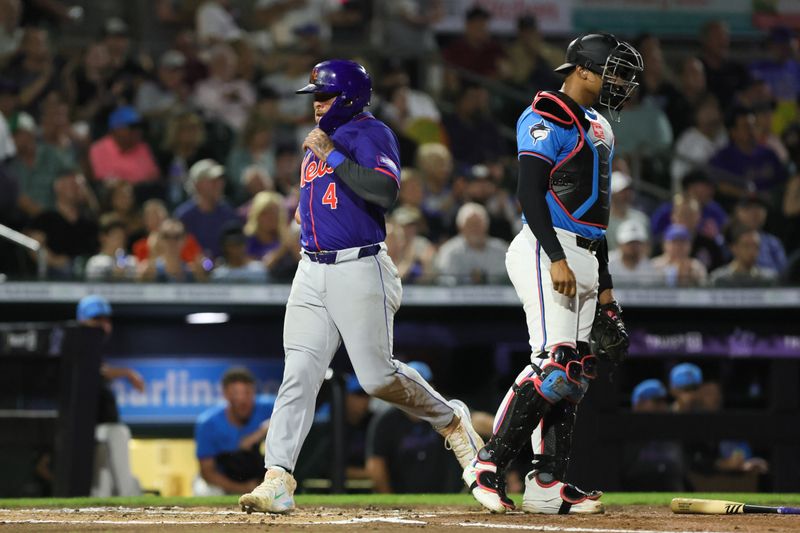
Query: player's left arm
point(371, 184)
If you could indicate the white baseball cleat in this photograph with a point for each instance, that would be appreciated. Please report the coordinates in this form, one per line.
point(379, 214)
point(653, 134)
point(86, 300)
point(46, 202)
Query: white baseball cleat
point(274, 495)
point(487, 486)
point(546, 495)
point(463, 440)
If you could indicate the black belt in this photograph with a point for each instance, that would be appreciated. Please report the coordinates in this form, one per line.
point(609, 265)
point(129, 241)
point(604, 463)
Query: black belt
point(329, 258)
point(590, 244)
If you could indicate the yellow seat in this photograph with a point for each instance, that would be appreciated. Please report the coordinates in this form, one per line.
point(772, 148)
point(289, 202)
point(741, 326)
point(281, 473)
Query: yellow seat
point(164, 465)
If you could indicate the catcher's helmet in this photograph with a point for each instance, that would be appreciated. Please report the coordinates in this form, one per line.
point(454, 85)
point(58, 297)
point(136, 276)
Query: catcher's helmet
point(616, 61)
point(346, 79)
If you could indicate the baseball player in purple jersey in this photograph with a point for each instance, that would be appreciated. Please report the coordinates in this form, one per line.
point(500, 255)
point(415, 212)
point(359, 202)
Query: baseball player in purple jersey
point(346, 288)
point(559, 267)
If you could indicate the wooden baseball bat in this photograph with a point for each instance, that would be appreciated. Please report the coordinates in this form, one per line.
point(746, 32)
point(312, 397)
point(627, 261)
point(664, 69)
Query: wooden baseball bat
point(697, 506)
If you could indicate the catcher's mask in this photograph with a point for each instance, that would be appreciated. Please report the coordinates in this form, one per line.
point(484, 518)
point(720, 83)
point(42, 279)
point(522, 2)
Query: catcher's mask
point(616, 61)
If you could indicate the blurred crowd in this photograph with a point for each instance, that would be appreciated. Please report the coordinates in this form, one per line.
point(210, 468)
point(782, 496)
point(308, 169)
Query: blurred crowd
point(183, 165)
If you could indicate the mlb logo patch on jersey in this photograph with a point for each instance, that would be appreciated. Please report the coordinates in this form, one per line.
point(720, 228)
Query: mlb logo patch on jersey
point(385, 161)
point(539, 131)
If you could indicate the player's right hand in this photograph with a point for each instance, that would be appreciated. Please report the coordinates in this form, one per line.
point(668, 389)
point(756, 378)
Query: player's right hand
point(563, 278)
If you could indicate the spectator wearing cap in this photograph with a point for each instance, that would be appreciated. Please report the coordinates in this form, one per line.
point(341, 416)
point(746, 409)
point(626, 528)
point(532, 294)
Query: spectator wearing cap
point(411, 252)
point(165, 262)
point(533, 59)
point(697, 185)
point(629, 262)
point(622, 200)
point(122, 154)
point(224, 96)
point(686, 212)
point(744, 166)
point(655, 465)
point(742, 271)
point(165, 94)
point(690, 392)
point(36, 166)
point(270, 237)
point(400, 446)
point(697, 144)
point(751, 213)
point(112, 476)
point(67, 232)
point(228, 437)
point(476, 50)
point(472, 257)
point(235, 265)
point(206, 211)
point(675, 266)
point(112, 262)
point(481, 184)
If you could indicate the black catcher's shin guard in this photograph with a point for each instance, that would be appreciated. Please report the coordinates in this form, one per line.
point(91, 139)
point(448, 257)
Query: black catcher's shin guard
point(557, 430)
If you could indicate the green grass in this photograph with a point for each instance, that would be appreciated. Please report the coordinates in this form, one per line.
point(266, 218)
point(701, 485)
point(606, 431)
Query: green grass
point(382, 500)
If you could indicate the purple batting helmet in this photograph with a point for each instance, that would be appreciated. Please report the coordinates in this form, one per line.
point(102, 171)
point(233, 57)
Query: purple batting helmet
point(343, 78)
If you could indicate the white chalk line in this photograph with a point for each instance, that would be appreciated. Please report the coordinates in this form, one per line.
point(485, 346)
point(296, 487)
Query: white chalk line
point(531, 527)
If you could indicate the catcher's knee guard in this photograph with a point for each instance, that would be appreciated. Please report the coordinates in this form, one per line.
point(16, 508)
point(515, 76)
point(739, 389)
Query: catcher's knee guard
point(563, 375)
point(523, 410)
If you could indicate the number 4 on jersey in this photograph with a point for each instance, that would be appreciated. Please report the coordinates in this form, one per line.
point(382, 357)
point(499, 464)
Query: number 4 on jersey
point(329, 198)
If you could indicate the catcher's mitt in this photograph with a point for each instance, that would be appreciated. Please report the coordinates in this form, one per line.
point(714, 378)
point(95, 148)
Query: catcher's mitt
point(609, 334)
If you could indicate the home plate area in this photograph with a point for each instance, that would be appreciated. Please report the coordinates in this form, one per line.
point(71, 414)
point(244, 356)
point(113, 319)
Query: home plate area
point(618, 519)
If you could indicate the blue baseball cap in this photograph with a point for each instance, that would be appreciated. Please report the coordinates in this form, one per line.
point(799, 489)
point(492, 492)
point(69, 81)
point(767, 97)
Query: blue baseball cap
point(93, 306)
point(648, 389)
point(423, 369)
point(685, 375)
point(677, 232)
point(123, 117)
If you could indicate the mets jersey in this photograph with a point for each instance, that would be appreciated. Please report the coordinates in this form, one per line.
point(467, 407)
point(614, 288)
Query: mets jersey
point(579, 143)
point(332, 215)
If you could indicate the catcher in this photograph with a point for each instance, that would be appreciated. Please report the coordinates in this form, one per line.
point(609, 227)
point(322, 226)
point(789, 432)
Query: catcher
point(558, 264)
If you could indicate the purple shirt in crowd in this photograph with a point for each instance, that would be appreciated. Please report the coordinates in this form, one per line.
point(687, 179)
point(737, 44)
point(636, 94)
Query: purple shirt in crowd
point(257, 249)
point(206, 227)
point(762, 167)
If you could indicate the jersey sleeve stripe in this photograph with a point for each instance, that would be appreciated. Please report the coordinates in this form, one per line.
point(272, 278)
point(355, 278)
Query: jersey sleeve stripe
point(379, 169)
point(536, 154)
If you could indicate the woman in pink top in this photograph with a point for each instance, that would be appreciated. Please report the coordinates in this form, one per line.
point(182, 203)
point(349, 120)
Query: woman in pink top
point(121, 154)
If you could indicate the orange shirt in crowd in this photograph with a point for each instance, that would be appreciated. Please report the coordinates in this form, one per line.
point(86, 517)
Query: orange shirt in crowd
point(191, 249)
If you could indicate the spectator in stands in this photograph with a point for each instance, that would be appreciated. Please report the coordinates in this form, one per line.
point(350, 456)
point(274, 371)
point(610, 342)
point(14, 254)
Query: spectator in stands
point(120, 200)
point(532, 58)
point(471, 129)
point(89, 87)
point(234, 264)
point(790, 206)
point(751, 214)
point(285, 21)
point(255, 179)
point(697, 185)
point(472, 256)
point(185, 42)
point(724, 75)
point(408, 111)
point(686, 212)
point(112, 473)
point(184, 145)
point(254, 147)
point(400, 446)
point(228, 437)
point(165, 262)
point(781, 71)
point(112, 262)
point(215, 23)
point(742, 271)
point(480, 184)
point(57, 131)
point(126, 70)
point(223, 96)
point(168, 92)
point(675, 266)
point(654, 465)
point(411, 252)
point(34, 69)
point(36, 166)
point(622, 198)
point(745, 166)
point(629, 262)
point(435, 164)
point(122, 154)
point(293, 111)
point(269, 235)
point(692, 88)
point(66, 231)
point(697, 144)
point(476, 50)
point(758, 97)
point(656, 85)
point(10, 30)
point(206, 211)
point(154, 213)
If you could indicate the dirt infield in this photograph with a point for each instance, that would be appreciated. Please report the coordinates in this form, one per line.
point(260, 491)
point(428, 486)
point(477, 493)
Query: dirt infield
point(618, 519)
